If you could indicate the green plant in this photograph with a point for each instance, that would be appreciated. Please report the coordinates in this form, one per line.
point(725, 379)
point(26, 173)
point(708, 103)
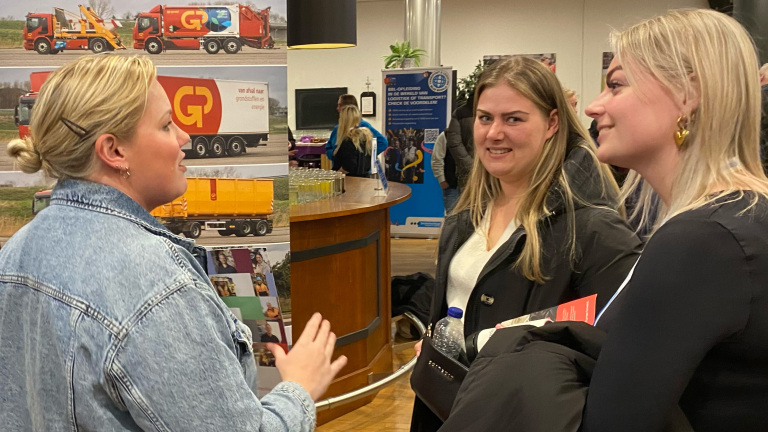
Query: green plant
point(400, 52)
point(467, 84)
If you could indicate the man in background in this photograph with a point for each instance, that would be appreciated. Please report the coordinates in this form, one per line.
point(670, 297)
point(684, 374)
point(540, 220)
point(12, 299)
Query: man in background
point(460, 139)
point(444, 169)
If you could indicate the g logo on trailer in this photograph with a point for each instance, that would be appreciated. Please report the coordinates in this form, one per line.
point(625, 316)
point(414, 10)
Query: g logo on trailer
point(196, 103)
point(194, 113)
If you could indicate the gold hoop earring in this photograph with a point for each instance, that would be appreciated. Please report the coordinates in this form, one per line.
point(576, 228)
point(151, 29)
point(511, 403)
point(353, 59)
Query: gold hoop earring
point(124, 171)
point(682, 130)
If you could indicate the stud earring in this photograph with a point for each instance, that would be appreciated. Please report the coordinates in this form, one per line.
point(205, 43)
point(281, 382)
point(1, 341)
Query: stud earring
point(682, 131)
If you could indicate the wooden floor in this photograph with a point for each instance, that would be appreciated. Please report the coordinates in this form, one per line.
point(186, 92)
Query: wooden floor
point(391, 409)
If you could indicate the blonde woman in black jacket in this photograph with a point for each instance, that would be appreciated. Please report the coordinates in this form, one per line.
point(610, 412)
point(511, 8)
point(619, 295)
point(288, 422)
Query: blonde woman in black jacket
point(537, 224)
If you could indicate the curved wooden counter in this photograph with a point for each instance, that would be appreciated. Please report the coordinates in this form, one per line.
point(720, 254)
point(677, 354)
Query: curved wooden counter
point(340, 267)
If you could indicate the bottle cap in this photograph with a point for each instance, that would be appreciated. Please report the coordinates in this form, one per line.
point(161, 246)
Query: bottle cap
point(455, 312)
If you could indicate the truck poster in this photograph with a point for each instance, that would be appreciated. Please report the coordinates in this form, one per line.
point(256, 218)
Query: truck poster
point(53, 32)
point(227, 77)
point(417, 109)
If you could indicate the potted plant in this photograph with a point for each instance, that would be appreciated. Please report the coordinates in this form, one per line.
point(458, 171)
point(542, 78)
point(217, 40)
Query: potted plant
point(467, 84)
point(403, 56)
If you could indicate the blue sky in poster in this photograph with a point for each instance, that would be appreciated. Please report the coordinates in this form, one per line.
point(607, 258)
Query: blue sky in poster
point(416, 105)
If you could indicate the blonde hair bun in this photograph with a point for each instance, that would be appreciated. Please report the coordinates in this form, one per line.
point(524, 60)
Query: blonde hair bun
point(27, 158)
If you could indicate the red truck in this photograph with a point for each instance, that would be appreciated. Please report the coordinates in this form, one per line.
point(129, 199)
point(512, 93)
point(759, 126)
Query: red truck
point(211, 27)
point(52, 33)
point(221, 117)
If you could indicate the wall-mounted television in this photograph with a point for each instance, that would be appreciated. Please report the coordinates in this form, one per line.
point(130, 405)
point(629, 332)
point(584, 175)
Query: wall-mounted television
point(316, 107)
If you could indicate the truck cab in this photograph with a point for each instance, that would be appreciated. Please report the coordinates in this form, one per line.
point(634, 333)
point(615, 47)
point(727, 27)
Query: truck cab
point(38, 32)
point(22, 113)
point(147, 34)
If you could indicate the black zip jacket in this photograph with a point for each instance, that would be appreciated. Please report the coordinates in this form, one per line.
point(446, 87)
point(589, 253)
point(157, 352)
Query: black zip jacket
point(606, 249)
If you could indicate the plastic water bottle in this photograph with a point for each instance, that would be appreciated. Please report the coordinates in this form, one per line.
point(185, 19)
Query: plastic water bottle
point(448, 336)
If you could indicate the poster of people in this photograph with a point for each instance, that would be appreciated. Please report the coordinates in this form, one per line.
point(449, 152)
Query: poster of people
point(254, 282)
point(404, 159)
point(417, 105)
point(548, 59)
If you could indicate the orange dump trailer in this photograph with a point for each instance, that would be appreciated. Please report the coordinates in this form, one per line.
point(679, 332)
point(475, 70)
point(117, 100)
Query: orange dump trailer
point(228, 206)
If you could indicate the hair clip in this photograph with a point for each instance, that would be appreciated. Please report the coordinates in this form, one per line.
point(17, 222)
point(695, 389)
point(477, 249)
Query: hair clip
point(75, 128)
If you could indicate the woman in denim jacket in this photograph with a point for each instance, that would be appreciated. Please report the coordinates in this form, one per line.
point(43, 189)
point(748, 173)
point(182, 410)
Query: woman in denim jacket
point(108, 320)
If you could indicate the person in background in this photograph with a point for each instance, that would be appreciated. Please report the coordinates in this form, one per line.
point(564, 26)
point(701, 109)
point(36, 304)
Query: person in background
point(128, 333)
point(690, 329)
point(222, 264)
point(352, 152)
point(537, 224)
point(572, 98)
point(259, 287)
point(459, 139)
point(259, 265)
point(293, 159)
point(268, 336)
point(444, 169)
point(351, 100)
point(271, 311)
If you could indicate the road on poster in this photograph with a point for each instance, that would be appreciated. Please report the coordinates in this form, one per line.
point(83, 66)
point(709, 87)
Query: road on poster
point(17, 57)
point(212, 238)
point(275, 152)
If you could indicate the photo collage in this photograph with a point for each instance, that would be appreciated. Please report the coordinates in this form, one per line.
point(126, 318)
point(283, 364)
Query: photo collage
point(228, 91)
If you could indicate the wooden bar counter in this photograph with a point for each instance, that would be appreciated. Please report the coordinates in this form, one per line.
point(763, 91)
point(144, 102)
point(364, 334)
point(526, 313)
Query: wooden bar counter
point(340, 267)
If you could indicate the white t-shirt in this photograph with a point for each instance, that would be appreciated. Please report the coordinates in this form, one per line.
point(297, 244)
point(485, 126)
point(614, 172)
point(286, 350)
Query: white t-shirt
point(469, 261)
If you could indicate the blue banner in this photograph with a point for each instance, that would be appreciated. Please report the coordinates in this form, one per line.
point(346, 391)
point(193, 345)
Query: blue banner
point(417, 110)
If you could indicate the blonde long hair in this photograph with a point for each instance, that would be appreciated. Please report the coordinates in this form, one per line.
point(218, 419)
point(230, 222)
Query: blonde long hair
point(538, 84)
point(86, 98)
point(349, 120)
point(703, 54)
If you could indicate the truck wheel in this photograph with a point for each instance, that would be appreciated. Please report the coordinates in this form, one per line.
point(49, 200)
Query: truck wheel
point(199, 147)
point(217, 146)
point(244, 229)
point(236, 146)
point(224, 232)
point(232, 46)
point(261, 228)
point(194, 230)
point(43, 46)
point(98, 45)
point(212, 46)
point(153, 46)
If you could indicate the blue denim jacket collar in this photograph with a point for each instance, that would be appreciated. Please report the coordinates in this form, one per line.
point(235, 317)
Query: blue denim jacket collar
point(107, 199)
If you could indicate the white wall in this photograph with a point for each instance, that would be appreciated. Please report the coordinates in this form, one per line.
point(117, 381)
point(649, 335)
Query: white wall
point(576, 30)
point(379, 23)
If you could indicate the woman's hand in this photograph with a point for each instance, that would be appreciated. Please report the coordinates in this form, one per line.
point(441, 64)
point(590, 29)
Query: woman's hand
point(309, 361)
point(417, 347)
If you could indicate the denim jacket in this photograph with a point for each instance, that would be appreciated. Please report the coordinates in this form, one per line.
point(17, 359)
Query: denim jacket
point(109, 322)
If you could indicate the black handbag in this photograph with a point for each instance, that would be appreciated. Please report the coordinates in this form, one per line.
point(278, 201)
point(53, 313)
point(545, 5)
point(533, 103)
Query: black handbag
point(436, 379)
